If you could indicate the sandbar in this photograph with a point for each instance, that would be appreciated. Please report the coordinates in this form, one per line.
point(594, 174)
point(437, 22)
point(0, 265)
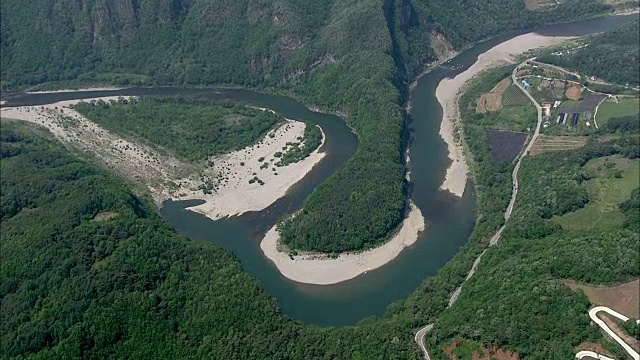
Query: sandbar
point(236, 195)
point(320, 269)
point(448, 93)
point(169, 178)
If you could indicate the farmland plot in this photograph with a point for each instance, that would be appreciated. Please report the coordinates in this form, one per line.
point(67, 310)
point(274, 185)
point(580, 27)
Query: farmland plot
point(556, 143)
point(514, 97)
point(505, 145)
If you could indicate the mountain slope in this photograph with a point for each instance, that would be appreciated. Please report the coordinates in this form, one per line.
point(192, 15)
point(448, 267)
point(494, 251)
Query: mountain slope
point(351, 56)
point(612, 56)
point(90, 271)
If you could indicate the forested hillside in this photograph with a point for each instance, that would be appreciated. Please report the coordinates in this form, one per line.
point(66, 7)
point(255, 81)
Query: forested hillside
point(91, 271)
point(351, 56)
point(612, 56)
point(575, 218)
point(94, 272)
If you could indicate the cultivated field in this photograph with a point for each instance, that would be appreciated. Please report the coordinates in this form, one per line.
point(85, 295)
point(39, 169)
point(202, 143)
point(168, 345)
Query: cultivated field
point(573, 92)
point(613, 180)
point(492, 100)
point(505, 145)
point(623, 298)
point(588, 104)
point(514, 97)
point(555, 143)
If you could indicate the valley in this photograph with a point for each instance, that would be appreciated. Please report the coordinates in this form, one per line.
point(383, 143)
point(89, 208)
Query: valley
point(288, 233)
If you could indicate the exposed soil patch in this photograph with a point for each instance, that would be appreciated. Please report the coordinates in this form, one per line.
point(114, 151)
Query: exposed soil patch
point(573, 93)
point(538, 4)
point(555, 143)
point(492, 100)
point(505, 145)
point(623, 298)
point(441, 47)
point(480, 353)
point(105, 216)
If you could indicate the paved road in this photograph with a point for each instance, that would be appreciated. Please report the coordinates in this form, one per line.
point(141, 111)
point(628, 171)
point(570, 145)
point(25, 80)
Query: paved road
point(593, 314)
point(591, 355)
point(419, 337)
point(556, 68)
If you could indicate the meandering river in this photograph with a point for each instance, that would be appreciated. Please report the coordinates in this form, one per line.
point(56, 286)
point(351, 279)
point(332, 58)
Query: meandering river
point(450, 219)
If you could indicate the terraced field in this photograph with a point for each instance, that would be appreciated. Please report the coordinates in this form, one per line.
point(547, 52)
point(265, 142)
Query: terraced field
point(556, 143)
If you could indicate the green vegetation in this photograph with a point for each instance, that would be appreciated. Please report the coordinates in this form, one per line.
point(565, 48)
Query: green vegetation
point(128, 286)
point(191, 129)
point(514, 97)
point(95, 273)
point(612, 56)
point(351, 56)
point(514, 118)
point(631, 211)
point(516, 300)
point(610, 182)
point(632, 327)
point(300, 150)
point(492, 178)
point(625, 107)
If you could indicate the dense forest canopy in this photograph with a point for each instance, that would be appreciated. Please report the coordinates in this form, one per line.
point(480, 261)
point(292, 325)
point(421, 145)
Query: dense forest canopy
point(612, 56)
point(191, 129)
point(517, 299)
point(351, 56)
point(95, 273)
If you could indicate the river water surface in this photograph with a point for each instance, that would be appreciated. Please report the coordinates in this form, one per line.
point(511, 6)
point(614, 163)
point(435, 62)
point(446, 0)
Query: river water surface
point(450, 219)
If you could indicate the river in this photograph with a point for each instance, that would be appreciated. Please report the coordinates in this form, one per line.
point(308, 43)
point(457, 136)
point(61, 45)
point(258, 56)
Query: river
point(450, 219)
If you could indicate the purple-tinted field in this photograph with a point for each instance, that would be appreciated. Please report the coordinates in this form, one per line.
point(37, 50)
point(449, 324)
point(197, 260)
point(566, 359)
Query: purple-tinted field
point(505, 145)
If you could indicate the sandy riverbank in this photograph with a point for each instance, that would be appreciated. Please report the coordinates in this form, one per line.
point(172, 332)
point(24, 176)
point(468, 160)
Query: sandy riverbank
point(236, 195)
point(448, 93)
point(105, 88)
point(321, 270)
point(169, 178)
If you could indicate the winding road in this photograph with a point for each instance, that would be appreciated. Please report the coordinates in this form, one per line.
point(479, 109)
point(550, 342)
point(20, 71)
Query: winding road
point(593, 314)
point(419, 337)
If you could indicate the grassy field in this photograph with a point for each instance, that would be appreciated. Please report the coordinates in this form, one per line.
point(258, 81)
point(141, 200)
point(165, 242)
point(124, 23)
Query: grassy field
point(613, 179)
point(513, 118)
point(610, 109)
